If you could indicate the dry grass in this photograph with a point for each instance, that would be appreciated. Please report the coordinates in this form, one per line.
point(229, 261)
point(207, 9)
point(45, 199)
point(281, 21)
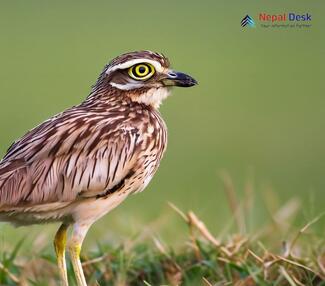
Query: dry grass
point(240, 259)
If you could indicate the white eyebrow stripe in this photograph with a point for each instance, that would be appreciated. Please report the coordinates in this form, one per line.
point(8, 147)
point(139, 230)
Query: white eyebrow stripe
point(130, 63)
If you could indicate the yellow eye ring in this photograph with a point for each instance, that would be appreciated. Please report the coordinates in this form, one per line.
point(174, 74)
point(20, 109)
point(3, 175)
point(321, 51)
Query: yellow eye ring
point(141, 71)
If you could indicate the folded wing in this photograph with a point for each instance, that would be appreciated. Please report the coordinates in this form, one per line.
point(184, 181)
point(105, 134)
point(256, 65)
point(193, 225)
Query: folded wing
point(67, 157)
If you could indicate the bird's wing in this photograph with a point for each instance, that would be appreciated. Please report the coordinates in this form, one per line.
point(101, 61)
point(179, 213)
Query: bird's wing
point(66, 157)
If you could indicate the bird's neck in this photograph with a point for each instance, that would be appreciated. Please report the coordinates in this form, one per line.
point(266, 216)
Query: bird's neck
point(104, 93)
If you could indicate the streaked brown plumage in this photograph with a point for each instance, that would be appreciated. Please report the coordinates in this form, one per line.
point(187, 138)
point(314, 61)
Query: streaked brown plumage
point(81, 163)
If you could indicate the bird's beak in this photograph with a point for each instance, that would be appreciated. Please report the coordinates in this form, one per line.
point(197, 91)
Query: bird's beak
point(174, 78)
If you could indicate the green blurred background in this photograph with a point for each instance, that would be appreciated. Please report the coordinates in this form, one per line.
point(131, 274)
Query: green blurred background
point(258, 112)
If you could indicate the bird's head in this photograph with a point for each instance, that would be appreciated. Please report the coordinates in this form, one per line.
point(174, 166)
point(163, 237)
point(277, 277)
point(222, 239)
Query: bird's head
point(143, 76)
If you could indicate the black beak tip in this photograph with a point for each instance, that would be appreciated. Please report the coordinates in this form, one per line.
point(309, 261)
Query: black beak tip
point(183, 80)
point(189, 82)
point(194, 82)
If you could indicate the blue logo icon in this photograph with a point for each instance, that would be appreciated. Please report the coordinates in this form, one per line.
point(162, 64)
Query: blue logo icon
point(247, 21)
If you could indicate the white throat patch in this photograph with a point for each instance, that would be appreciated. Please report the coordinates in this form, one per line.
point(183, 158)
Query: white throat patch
point(153, 96)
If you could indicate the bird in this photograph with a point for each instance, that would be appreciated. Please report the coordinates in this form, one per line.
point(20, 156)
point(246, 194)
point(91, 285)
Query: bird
point(80, 164)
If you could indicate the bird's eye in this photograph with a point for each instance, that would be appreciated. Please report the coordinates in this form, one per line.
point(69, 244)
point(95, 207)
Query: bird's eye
point(141, 71)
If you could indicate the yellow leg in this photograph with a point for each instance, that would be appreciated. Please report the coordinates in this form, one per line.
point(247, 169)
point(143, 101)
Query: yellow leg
point(59, 246)
point(75, 243)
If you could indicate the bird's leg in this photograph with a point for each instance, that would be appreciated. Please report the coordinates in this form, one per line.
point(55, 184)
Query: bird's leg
point(78, 234)
point(59, 246)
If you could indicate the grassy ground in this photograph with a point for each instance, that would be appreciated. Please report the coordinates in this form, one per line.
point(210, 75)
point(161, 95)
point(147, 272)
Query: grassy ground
point(262, 257)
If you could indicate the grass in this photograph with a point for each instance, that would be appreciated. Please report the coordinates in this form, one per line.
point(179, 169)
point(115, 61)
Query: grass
point(238, 258)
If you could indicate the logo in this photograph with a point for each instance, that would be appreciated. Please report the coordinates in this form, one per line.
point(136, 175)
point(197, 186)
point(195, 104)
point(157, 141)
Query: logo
point(284, 17)
point(247, 21)
point(282, 20)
